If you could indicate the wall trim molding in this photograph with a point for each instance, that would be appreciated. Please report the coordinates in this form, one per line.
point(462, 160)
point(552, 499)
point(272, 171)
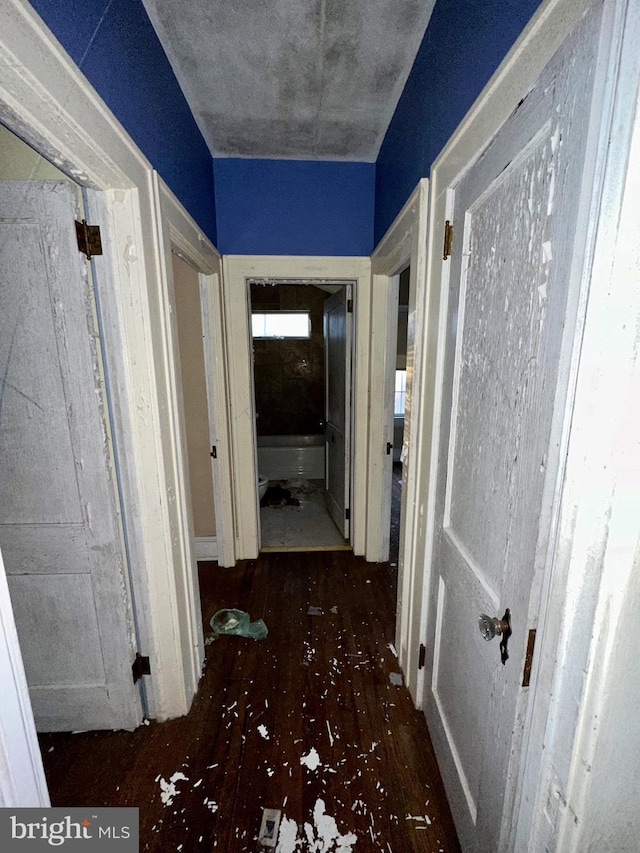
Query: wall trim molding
point(206, 548)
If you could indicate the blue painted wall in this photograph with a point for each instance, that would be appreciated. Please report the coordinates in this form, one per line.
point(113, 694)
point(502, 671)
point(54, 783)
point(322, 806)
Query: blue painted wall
point(294, 207)
point(463, 45)
point(115, 46)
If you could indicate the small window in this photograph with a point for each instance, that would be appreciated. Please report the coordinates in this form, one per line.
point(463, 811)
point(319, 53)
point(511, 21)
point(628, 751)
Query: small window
point(401, 392)
point(281, 324)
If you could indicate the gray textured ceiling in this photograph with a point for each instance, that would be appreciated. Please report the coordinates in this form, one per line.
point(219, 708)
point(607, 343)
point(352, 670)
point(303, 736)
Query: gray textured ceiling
point(306, 79)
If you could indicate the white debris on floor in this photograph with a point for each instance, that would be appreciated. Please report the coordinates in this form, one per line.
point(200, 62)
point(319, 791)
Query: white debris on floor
point(168, 789)
point(323, 836)
point(312, 759)
point(211, 805)
point(369, 816)
point(287, 837)
point(420, 819)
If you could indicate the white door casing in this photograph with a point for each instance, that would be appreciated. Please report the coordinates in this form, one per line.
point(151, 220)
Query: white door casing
point(507, 337)
point(217, 397)
point(404, 244)
point(337, 375)
point(389, 286)
point(237, 271)
point(59, 526)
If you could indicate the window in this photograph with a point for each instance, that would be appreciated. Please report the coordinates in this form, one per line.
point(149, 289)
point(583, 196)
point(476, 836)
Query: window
point(401, 391)
point(281, 324)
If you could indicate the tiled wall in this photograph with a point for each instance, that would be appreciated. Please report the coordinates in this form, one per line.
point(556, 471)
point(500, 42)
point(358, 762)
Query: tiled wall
point(289, 374)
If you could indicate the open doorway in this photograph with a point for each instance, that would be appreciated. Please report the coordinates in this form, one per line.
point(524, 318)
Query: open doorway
point(399, 399)
point(188, 309)
point(301, 335)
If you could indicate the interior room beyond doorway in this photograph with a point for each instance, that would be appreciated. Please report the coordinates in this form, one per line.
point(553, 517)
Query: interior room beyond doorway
point(293, 377)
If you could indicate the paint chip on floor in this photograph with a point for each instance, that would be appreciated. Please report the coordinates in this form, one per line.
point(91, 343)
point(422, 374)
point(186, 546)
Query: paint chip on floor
point(321, 837)
point(396, 678)
point(168, 790)
point(311, 760)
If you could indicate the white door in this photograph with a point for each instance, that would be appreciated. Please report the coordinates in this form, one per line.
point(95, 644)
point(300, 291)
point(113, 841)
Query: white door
point(510, 315)
point(59, 530)
point(337, 344)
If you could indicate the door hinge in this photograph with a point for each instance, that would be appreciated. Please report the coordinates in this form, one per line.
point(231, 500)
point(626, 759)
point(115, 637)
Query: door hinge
point(89, 241)
point(422, 656)
point(347, 514)
point(528, 658)
point(214, 452)
point(140, 667)
point(448, 240)
point(389, 448)
point(349, 306)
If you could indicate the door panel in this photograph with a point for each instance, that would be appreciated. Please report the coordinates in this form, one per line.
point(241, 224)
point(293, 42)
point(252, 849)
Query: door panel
point(503, 400)
point(59, 528)
point(337, 342)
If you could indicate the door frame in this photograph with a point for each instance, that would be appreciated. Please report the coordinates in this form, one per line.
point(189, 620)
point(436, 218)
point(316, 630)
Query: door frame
point(45, 99)
point(550, 765)
point(182, 237)
point(404, 244)
point(346, 292)
point(237, 270)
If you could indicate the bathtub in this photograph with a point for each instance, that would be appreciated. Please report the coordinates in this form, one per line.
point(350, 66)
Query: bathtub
point(285, 457)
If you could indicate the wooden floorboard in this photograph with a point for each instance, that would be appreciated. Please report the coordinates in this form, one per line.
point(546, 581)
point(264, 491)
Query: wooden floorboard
point(315, 683)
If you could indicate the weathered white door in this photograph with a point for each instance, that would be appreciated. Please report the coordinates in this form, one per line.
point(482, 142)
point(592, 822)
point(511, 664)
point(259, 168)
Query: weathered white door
point(59, 529)
point(337, 345)
point(510, 310)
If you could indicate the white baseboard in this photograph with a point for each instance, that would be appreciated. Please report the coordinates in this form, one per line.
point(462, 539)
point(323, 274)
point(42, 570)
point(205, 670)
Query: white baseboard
point(206, 548)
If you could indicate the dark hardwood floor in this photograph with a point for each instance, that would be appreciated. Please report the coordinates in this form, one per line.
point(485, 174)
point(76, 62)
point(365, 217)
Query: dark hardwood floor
point(316, 683)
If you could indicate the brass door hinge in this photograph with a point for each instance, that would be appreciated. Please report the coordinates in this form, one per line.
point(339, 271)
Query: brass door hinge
point(448, 240)
point(89, 241)
point(528, 658)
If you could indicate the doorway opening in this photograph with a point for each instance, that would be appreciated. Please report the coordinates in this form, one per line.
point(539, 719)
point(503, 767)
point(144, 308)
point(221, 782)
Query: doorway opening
point(399, 401)
point(301, 339)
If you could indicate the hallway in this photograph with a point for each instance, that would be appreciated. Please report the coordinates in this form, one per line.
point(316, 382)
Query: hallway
point(317, 690)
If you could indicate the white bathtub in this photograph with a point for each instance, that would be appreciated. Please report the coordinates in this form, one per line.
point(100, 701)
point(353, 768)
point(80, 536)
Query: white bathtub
point(285, 457)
